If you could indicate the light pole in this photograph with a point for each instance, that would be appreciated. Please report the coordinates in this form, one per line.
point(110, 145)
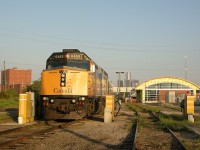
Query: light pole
point(119, 73)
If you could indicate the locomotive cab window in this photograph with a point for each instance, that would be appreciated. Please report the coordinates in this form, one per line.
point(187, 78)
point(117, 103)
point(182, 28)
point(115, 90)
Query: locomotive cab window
point(79, 64)
point(55, 64)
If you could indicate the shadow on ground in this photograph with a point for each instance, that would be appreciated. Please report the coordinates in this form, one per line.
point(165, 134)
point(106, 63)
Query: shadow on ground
point(11, 114)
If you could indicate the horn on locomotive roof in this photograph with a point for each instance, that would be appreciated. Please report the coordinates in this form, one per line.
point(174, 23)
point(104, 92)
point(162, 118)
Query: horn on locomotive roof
point(71, 50)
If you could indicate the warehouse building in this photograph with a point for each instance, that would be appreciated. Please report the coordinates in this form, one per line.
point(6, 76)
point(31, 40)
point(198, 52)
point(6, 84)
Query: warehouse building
point(16, 79)
point(165, 89)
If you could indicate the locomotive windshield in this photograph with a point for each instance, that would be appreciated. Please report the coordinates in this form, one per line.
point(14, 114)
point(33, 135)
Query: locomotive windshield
point(70, 63)
point(78, 64)
point(55, 64)
point(69, 57)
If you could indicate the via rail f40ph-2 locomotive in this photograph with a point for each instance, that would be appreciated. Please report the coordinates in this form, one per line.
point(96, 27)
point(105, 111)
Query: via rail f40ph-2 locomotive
point(72, 86)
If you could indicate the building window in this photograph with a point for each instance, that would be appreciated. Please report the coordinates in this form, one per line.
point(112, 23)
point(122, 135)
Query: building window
point(167, 85)
point(151, 95)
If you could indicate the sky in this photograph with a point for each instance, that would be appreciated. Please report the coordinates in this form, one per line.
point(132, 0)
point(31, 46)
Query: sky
point(149, 38)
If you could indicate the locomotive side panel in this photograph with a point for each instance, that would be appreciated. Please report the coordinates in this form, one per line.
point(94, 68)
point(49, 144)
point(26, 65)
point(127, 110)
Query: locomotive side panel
point(104, 84)
point(98, 82)
point(91, 85)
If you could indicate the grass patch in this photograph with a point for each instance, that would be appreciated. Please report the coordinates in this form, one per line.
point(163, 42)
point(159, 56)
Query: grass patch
point(9, 103)
point(153, 110)
point(173, 125)
point(171, 106)
point(133, 107)
point(174, 122)
point(4, 118)
point(197, 120)
point(149, 108)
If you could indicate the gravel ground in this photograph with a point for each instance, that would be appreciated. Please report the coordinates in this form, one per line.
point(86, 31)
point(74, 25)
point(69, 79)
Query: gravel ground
point(151, 138)
point(91, 134)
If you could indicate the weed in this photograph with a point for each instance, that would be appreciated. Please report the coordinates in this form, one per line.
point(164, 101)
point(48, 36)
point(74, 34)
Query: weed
point(9, 103)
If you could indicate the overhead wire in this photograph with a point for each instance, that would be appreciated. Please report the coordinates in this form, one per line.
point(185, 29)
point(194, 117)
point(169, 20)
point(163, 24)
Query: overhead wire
point(96, 45)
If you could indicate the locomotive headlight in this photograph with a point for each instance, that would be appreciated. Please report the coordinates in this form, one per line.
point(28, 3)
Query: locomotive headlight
point(73, 101)
point(82, 98)
point(45, 98)
point(62, 78)
point(62, 75)
point(62, 84)
point(52, 100)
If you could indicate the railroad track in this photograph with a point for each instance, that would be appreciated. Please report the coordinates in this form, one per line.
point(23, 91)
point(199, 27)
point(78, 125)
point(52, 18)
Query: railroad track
point(130, 141)
point(15, 137)
point(153, 139)
point(180, 144)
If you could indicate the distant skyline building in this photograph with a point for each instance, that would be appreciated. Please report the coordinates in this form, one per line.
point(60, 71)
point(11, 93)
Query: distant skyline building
point(128, 81)
point(126, 85)
point(16, 79)
point(120, 83)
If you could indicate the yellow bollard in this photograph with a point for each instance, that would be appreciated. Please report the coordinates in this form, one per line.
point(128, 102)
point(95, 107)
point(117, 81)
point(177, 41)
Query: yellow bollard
point(22, 108)
point(190, 107)
point(26, 108)
point(109, 109)
point(190, 104)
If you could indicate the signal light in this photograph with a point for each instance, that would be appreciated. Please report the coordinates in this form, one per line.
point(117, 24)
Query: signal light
point(45, 98)
point(66, 56)
point(62, 84)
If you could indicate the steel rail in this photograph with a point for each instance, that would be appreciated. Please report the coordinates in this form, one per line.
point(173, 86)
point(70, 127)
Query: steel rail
point(135, 134)
point(181, 145)
point(39, 133)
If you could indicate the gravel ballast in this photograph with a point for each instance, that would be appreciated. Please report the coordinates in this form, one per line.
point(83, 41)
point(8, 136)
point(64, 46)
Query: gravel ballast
point(90, 134)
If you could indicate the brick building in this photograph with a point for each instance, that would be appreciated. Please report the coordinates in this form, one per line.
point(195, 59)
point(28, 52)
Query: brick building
point(16, 79)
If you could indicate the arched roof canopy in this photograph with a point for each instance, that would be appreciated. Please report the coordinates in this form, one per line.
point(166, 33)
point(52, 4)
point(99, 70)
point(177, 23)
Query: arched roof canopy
point(173, 80)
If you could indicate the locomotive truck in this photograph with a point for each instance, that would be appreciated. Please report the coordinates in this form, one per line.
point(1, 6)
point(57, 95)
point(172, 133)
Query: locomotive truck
point(73, 86)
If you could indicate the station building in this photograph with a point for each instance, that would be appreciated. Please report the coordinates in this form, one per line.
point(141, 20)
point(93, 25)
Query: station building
point(165, 90)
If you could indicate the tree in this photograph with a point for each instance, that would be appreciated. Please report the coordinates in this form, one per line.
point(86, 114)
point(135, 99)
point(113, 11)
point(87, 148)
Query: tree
point(34, 87)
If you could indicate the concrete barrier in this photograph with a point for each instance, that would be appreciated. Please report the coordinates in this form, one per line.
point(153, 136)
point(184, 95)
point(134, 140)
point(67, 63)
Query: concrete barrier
point(108, 116)
point(191, 118)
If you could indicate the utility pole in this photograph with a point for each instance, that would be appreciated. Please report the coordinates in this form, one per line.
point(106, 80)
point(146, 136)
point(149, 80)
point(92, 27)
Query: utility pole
point(4, 67)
